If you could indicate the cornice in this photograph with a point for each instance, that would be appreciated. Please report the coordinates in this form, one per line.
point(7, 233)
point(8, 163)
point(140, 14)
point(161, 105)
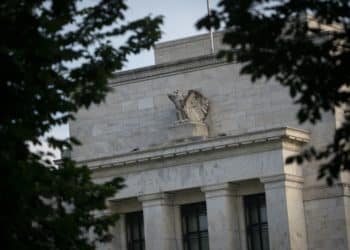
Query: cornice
point(157, 199)
point(219, 190)
point(282, 178)
point(282, 181)
point(296, 136)
point(165, 69)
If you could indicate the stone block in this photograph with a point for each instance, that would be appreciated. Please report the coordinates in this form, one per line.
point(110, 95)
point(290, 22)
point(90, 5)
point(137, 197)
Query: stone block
point(145, 103)
point(188, 130)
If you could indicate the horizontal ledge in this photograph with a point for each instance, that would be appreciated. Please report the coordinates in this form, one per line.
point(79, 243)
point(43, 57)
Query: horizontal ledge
point(168, 68)
point(292, 135)
point(282, 178)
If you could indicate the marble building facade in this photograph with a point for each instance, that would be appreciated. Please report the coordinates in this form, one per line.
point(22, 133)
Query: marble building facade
point(205, 168)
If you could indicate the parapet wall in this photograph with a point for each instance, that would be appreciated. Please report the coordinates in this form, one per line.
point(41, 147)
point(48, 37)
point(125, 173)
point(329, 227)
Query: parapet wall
point(186, 48)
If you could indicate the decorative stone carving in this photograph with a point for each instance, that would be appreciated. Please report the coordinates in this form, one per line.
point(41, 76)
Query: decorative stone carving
point(191, 111)
point(178, 98)
point(192, 106)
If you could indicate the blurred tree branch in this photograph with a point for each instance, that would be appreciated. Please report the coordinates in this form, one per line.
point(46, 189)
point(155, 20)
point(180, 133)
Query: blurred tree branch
point(56, 56)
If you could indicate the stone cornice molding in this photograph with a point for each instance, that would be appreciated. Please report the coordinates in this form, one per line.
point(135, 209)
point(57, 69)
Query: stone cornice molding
point(158, 199)
point(164, 69)
point(282, 177)
point(282, 180)
point(296, 136)
point(219, 190)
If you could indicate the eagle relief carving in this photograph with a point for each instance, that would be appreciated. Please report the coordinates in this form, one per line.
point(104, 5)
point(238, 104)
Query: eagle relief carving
point(191, 106)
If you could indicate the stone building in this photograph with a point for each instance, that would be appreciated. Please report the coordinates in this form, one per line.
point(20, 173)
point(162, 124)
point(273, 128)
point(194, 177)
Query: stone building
point(203, 152)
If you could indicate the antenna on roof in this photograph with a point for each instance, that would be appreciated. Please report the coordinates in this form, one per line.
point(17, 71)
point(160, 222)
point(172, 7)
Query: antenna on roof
point(211, 29)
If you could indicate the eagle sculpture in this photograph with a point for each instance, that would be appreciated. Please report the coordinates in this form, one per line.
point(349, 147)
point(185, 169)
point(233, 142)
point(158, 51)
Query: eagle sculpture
point(192, 106)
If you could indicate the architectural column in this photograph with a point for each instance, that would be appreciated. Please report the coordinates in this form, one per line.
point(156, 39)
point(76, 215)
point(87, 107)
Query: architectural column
point(158, 215)
point(222, 216)
point(119, 234)
point(285, 212)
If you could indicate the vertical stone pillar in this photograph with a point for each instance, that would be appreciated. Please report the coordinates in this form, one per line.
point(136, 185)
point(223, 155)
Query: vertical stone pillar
point(285, 212)
point(158, 215)
point(222, 217)
point(119, 234)
point(178, 227)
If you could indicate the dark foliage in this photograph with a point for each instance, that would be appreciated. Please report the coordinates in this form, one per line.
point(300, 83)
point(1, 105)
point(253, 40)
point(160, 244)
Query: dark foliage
point(305, 46)
point(55, 57)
